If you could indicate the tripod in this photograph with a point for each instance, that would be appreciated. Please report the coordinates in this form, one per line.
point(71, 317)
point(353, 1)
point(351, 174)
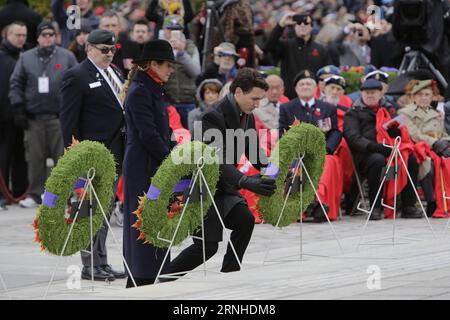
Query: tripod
point(211, 13)
point(300, 167)
point(394, 157)
point(89, 187)
point(198, 176)
point(413, 59)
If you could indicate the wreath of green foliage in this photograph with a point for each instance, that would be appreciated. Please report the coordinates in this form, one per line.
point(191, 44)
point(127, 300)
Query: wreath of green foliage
point(155, 222)
point(301, 138)
point(52, 226)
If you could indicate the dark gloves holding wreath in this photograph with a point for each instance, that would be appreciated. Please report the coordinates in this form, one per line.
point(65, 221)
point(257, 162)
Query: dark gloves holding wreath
point(20, 117)
point(258, 185)
point(379, 148)
point(442, 148)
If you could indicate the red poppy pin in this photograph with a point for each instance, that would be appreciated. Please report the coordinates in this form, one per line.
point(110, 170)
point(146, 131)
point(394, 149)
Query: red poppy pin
point(119, 46)
point(392, 111)
point(317, 112)
point(58, 66)
point(315, 53)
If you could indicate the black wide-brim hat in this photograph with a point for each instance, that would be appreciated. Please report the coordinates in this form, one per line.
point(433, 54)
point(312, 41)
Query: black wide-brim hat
point(158, 50)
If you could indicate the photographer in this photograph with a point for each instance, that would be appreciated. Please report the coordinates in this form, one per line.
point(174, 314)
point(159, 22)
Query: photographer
point(352, 45)
point(299, 53)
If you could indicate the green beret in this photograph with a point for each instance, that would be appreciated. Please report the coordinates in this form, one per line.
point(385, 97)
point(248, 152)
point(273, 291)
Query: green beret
point(101, 37)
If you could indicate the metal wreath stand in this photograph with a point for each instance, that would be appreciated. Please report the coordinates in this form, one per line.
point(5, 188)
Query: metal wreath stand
point(394, 157)
point(198, 175)
point(90, 187)
point(300, 166)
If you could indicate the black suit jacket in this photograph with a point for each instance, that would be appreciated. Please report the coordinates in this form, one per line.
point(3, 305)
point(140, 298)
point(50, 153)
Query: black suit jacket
point(225, 115)
point(89, 111)
point(321, 110)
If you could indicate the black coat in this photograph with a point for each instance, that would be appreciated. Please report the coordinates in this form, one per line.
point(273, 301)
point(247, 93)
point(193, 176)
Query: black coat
point(319, 111)
point(360, 128)
point(8, 59)
point(295, 56)
point(148, 143)
point(89, 113)
point(222, 116)
point(18, 10)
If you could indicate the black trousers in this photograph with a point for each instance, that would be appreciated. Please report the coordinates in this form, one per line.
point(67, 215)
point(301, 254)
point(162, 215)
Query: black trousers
point(99, 246)
point(373, 166)
point(12, 158)
point(241, 221)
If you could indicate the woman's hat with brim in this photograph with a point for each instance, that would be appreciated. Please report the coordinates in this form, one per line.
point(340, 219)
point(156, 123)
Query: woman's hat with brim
point(157, 50)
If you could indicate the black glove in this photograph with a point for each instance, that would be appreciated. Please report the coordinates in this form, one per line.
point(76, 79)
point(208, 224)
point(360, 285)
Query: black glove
point(20, 117)
point(440, 147)
point(446, 153)
point(394, 132)
point(379, 148)
point(256, 184)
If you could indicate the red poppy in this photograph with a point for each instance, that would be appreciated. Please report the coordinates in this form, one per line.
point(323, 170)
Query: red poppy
point(119, 46)
point(392, 111)
point(58, 66)
point(317, 113)
point(315, 53)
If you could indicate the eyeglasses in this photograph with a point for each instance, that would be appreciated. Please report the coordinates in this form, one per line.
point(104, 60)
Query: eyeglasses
point(47, 34)
point(105, 50)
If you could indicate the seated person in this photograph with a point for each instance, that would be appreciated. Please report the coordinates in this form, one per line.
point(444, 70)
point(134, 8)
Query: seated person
point(305, 108)
point(369, 154)
point(426, 125)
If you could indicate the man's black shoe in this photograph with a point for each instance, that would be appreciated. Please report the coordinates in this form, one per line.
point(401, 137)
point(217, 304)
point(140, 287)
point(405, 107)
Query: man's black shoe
point(99, 274)
point(117, 274)
point(411, 212)
point(431, 208)
point(319, 215)
point(377, 214)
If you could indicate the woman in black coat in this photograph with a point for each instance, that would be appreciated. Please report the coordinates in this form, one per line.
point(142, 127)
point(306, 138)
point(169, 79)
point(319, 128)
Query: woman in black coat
point(148, 143)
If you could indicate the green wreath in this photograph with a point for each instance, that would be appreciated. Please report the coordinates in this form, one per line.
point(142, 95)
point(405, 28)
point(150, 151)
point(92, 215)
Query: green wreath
point(153, 220)
point(301, 138)
point(50, 225)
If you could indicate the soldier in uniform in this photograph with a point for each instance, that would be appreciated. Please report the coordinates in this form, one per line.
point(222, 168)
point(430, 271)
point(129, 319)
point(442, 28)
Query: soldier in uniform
point(91, 109)
point(305, 108)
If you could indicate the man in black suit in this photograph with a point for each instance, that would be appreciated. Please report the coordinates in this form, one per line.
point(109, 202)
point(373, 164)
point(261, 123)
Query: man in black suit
point(91, 109)
point(234, 112)
point(305, 108)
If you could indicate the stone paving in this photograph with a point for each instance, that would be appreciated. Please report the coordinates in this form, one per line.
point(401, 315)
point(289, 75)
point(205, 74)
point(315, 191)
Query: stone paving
point(416, 265)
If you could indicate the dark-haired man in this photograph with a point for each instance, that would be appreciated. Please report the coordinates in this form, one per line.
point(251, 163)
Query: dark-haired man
point(233, 112)
point(299, 53)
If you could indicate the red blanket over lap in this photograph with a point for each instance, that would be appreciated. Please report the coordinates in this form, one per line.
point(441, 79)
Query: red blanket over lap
point(406, 147)
point(441, 176)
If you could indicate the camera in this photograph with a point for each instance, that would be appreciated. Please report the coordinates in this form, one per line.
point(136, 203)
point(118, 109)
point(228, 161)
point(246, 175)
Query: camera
point(300, 18)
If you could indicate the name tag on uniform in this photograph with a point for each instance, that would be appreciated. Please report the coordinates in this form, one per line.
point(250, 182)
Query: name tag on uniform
point(95, 84)
point(43, 85)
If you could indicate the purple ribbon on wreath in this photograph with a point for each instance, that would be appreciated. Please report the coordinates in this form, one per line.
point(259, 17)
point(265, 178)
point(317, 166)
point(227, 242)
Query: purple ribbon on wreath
point(154, 192)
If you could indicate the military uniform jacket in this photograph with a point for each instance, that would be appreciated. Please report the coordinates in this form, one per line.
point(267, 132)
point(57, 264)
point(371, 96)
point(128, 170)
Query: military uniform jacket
point(89, 109)
point(294, 109)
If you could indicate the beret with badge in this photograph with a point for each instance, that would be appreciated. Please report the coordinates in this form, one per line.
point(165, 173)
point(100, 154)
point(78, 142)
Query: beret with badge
point(101, 37)
point(330, 69)
point(304, 74)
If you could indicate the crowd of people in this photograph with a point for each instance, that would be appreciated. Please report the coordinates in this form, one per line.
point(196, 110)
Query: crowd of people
point(135, 73)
